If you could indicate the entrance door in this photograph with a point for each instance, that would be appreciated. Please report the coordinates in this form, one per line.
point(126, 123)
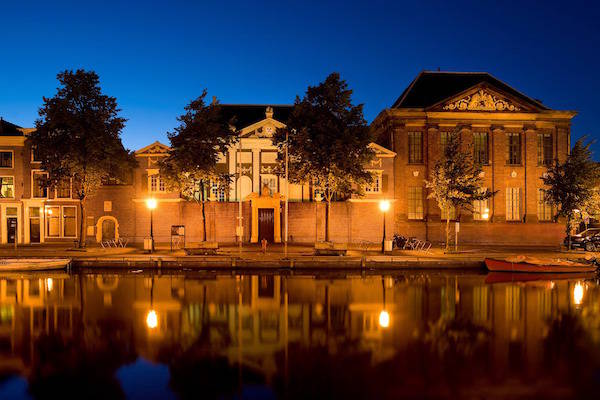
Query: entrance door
point(108, 229)
point(11, 229)
point(266, 221)
point(34, 225)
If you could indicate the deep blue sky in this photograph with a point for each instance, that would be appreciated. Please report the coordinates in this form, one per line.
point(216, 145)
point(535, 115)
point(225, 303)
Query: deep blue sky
point(156, 56)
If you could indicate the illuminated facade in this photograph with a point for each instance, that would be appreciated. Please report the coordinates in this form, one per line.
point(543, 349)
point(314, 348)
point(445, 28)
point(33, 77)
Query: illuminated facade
point(513, 136)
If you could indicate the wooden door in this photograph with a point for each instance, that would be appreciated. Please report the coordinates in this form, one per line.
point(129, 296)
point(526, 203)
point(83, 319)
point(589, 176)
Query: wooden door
point(11, 229)
point(108, 229)
point(266, 222)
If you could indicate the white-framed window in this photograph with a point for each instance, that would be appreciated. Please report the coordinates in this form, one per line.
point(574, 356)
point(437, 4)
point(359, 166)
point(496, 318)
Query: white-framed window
point(544, 209)
point(61, 221)
point(217, 192)
point(481, 208)
point(513, 204)
point(39, 189)
point(64, 189)
point(375, 185)
point(34, 154)
point(156, 184)
point(415, 202)
point(270, 181)
point(7, 187)
point(6, 159)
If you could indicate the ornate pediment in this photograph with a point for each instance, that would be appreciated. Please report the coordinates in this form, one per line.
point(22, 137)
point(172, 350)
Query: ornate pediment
point(154, 149)
point(481, 100)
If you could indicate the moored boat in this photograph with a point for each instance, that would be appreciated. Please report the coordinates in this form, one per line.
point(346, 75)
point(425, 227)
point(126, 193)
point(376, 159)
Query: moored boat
point(534, 277)
point(534, 265)
point(33, 264)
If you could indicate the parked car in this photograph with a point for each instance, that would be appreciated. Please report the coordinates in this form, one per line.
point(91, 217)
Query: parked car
point(588, 240)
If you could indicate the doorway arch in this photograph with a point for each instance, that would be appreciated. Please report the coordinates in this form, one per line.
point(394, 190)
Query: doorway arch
point(107, 228)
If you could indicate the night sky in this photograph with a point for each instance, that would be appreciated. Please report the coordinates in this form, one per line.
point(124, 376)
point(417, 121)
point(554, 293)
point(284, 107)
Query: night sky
point(157, 56)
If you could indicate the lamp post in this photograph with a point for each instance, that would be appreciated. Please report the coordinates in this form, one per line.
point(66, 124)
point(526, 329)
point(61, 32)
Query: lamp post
point(287, 190)
point(384, 205)
point(151, 204)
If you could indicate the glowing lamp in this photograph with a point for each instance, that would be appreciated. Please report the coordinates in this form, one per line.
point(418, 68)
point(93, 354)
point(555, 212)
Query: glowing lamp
point(384, 319)
point(486, 214)
point(384, 205)
point(151, 204)
point(151, 319)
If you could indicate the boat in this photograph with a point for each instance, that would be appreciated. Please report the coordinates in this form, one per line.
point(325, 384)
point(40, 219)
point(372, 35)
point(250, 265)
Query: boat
point(534, 278)
point(34, 264)
point(535, 265)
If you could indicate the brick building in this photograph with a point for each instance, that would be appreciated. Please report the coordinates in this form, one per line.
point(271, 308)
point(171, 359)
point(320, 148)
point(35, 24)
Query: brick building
point(512, 135)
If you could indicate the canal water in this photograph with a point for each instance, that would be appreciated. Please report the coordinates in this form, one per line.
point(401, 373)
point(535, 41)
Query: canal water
point(191, 335)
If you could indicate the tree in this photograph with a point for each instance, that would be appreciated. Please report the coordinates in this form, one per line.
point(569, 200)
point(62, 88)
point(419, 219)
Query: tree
point(196, 145)
point(328, 142)
point(456, 181)
point(571, 184)
point(77, 138)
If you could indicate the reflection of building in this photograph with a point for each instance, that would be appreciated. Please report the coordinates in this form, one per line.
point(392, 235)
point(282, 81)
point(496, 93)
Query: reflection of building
point(512, 135)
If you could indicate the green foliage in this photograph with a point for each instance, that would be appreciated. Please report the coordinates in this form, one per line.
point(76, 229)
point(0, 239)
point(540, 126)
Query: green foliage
point(196, 145)
point(328, 141)
point(571, 184)
point(78, 136)
point(456, 180)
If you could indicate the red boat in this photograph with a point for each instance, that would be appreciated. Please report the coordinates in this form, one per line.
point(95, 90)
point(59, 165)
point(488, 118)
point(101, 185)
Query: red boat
point(533, 265)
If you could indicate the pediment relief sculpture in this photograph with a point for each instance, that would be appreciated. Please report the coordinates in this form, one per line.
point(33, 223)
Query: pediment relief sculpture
point(481, 100)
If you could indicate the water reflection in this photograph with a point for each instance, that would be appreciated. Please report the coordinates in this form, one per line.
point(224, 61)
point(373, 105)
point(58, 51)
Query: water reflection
point(400, 335)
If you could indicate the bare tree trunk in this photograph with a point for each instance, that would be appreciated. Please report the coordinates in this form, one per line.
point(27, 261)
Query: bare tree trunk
point(447, 231)
point(81, 223)
point(203, 212)
point(569, 231)
point(327, 213)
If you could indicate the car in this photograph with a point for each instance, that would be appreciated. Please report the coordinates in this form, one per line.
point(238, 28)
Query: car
point(588, 240)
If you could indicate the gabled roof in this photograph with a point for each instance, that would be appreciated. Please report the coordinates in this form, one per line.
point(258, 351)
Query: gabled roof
point(156, 148)
point(9, 129)
point(381, 151)
point(432, 87)
point(248, 114)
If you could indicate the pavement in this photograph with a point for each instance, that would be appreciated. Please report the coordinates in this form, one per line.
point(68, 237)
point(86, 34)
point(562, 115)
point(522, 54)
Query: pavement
point(298, 256)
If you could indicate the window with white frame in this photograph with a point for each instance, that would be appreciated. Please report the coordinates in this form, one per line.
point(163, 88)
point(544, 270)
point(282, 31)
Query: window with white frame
point(38, 184)
point(375, 185)
point(35, 154)
point(156, 184)
point(7, 187)
point(415, 202)
point(217, 192)
point(544, 209)
point(270, 181)
point(61, 221)
point(481, 208)
point(6, 159)
point(63, 189)
point(513, 204)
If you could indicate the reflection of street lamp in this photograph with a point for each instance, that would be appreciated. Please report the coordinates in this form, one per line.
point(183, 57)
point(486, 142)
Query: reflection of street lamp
point(151, 204)
point(384, 316)
point(49, 284)
point(151, 319)
point(384, 205)
point(578, 294)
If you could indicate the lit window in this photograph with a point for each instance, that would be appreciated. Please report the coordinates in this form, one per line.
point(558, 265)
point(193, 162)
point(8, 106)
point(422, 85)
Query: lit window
point(480, 148)
point(69, 221)
point(415, 147)
point(7, 187)
point(63, 189)
point(270, 181)
point(6, 159)
point(375, 185)
point(481, 209)
point(53, 221)
point(513, 147)
point(513, 204)
point(415, 202)
point(544, 209)
point(38, 183)
point(156, 183)
point(544, 149)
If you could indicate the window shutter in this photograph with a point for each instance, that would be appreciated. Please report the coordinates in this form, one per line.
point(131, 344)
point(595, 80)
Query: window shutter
point(145, 182)
point(384, 183)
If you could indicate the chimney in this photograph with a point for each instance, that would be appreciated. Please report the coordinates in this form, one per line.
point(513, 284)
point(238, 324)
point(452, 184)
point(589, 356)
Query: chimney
point(269, 112)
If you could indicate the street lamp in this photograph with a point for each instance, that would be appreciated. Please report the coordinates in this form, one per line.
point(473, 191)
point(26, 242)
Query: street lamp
point(151, 204)
point(384, 205)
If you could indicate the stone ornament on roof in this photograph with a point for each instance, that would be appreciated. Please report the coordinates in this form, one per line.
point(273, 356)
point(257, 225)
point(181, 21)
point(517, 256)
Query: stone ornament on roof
point(481, 101)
